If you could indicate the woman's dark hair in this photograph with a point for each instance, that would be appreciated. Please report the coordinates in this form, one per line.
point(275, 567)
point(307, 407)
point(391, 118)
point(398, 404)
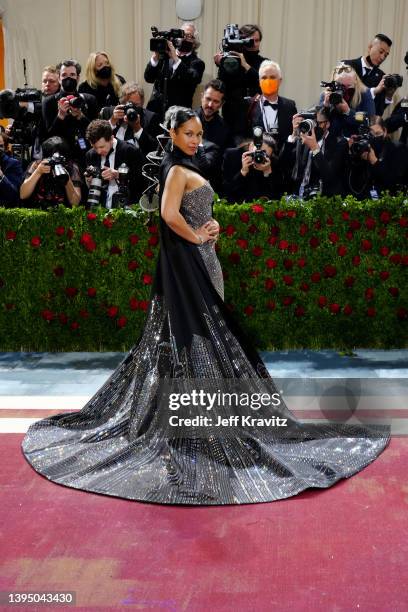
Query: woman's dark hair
point(269, 140)
point(249, 29)
point(177, 115)
point(55, 144)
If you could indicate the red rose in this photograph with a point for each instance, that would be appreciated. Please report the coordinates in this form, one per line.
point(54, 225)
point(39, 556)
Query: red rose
point(333, 237)
point(345, 215)
point(149, 254)
point(402, 314)
point(293, 248)
point(347, 310)
point(369, 294)
point(115, 250)
point(91, 216)
point(355, 225)
point(349, 235)
point(225, 275)
point(257, 251)
point(144, 305)
point(322, 301)
point(10, 235)
point(87, 242)
point(394, 291)
point(403, 221)
point(272, 240)
point(133, 239)
point(288, 300)
point(275, 230)
point(235, 258)
point(59, 271)
point(283, 244)
point(287, 279)
point(356, 260)
point(271, 263)
point(370, 223)
point(269, 284)
point(370, 271)
point(384, 275)
point(301, 262)
point(314, 242)
point(366, 245)
point(121, 322)
point(315, 277)
point(396, 258)
point(342, 250)
point(112, 311)
point(304, 287)
point(230, 230)
point(132, 265)
point(70, 233)
point(35, 241)
point(303, 229)
point(271, 305)
point(334, 308)
point(108, 222)
point(384, 250)
point(330, 271)
point(63, 319)
point(48, 315)
point(383, 232)
point(257, 208)
point(84, 314)
point(317, 225)
point(153, 240)
point(244, 216)
point(147, 279)
point(254, 273)
point(60, 230)
point(242, 243)
point(74, 325)
point(71, 292)
point(133, 303)
point(329, 221)
point(291, 214)
point(371, 312)
point(153, 229)
point(385, 217)
point(252, 229)
point(299, 311)
point(349, 281)
point(249, 310)
point(280, 214)
point(288, 264)
point(91, 292)
point(404, 260)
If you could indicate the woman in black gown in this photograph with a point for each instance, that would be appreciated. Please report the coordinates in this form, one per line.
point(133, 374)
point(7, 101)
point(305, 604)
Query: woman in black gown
point(118, 445)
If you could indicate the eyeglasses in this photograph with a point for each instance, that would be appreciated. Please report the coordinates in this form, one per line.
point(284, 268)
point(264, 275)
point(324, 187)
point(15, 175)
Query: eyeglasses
point(343, 68)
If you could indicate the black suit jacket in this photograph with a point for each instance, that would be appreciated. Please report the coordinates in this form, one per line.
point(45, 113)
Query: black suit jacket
point(181, 84)
point(286, 110)
point(131, 156)
point(150, 123)
point(11, 181)
point(370, 80)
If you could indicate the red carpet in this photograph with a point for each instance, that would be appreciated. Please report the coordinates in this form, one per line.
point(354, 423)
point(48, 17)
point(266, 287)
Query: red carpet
point(337, 549)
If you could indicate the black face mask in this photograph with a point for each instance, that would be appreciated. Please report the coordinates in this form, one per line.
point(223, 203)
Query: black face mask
point(69, 84)
point(104, 73)
point(318, 133)
point(377, 143)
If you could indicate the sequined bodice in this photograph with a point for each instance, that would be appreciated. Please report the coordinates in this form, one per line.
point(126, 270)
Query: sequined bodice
point(196, 205)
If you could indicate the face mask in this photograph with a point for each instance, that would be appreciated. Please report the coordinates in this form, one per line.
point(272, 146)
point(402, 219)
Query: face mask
point(348, 94)
point(377, 143)
point(318, 133)
point(269, 87)
point(69, 84)
point(104, 73)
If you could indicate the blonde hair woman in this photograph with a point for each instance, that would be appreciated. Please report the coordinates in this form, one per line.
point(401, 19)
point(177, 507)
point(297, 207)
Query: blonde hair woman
point(101, 80)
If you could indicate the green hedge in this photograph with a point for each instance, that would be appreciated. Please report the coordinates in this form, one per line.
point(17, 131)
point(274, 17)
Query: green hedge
point(324, 273)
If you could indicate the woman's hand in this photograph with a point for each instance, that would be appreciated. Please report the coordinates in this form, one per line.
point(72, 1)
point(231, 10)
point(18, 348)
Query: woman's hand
point(208, 232)
point(43, 167)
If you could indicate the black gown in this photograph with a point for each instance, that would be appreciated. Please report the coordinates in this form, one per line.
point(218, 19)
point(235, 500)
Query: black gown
point(117, 444)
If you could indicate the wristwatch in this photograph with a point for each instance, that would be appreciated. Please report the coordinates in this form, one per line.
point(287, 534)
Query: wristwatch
point(316, 151)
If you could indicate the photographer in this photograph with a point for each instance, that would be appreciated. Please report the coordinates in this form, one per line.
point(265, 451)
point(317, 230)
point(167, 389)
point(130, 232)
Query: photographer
point(181, 70)
point(109, 154)
point(54, 180)
point(315, 158)
point(397, 122)
point(345, 96)
point(67, 113)
point(243, 81)
point(376, 164)
point(270, 111)
point(368, 69)
point(11, 176)
point(253, 173)
point(130, 121)
point(101, 80)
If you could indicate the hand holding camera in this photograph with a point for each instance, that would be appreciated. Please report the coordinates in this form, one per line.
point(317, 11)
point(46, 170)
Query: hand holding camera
point(43, 167)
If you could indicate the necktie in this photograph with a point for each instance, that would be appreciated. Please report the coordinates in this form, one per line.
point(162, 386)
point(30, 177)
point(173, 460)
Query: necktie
point(367, 71)
point(274, 106)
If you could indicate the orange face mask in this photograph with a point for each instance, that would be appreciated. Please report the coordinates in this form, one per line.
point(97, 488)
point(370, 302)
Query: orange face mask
point(269, 87)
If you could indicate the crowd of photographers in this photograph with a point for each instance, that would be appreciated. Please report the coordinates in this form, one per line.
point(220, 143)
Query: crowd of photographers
point(88, 142)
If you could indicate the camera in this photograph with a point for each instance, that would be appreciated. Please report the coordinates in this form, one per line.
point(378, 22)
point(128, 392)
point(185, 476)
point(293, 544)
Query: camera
point(308, 124)
point(259, 156)
point(96, 187)
point(9, 101)
point(132, 111)
point(58, 170)
point(363, 140)
point(337, 91)
point(120, 199)
point(393, 81)
point(159, 45)
point(233, 41)
point(77, 101)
